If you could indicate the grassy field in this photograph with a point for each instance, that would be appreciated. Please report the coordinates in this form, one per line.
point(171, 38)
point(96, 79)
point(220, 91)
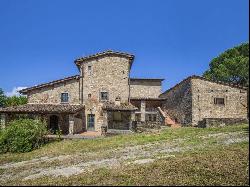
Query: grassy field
point(184, 156)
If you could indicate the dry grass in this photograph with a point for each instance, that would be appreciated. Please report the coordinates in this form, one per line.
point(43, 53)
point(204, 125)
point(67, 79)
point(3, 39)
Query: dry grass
point(213, 162)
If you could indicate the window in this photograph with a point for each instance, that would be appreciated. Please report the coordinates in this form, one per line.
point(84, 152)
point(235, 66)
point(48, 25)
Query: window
point(64, 97)
point(89, 70)
point(151, 117)
point(219, 101)
point(104, 96)
point(89, 96)
point(154, 117)
point(117, 116)
point(91, 122)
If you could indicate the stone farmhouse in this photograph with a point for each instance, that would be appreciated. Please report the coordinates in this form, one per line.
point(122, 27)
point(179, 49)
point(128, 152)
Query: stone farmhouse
point(103, 96)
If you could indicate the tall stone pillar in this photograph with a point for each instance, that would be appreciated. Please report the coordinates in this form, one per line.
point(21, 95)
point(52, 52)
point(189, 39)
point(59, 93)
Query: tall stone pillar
point(71, 124)
point(105, 118)
point(143, 110)
point(3, 121)
point(132, 118)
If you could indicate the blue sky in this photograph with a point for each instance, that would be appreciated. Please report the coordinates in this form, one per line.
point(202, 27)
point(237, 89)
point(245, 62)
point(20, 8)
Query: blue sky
point(171, 39)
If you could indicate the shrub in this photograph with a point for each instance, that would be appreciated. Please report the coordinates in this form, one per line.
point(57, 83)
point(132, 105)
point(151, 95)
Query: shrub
point(22, 135)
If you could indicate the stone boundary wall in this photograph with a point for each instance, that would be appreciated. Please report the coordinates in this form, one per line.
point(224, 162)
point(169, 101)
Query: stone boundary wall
point(220, 122)
point(78, 125)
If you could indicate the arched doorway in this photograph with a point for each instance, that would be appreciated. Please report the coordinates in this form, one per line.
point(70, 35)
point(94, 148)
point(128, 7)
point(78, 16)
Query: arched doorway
point(53, 124)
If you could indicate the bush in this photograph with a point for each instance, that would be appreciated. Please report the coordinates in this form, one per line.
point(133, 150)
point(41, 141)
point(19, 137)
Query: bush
point(22, 135)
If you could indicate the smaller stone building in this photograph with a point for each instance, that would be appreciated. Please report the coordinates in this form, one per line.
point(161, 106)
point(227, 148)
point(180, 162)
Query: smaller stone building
point(196, 100)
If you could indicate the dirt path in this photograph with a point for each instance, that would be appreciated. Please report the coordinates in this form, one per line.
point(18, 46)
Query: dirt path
point(68, 165)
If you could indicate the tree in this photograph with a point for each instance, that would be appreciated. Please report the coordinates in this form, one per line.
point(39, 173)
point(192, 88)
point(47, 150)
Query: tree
point(2, 98)
point(232, 66)
point(16, 100)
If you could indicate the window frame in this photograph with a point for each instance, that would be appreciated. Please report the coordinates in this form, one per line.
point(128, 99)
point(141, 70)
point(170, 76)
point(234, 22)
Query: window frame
point(219, 101)
point(89, 96)
point(90, 70)
point(62, 97)
point(107, 97)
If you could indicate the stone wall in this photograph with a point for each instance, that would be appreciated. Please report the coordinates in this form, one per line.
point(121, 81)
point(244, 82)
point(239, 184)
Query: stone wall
point(64, 125)
point(178, 103)
point(203, 94)
point(78, 125)
point(220, 122)
point(52, 94)
point(145, 88)
point(110, 74)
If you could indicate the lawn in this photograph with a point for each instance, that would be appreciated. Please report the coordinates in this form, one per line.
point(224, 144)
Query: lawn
point(184, 156)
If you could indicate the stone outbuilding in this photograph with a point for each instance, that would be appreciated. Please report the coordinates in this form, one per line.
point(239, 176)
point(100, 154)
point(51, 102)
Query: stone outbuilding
point(196, 100)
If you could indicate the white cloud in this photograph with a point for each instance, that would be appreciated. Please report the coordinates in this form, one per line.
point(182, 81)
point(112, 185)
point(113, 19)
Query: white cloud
point(15, 91)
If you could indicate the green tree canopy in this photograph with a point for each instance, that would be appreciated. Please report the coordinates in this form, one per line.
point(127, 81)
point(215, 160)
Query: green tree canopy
point(15, 100)
point(231, 66)
point(12, 100)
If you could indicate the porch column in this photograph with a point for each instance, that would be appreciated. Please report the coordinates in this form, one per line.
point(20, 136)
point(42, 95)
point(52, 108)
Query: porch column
point(3, 121)
point(105, 118)
point(143, 110)
point(104, 126)
point(132, 118)
point(71, 124)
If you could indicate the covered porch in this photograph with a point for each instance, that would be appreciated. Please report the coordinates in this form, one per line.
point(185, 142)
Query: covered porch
point(119, 117)
point(68, 119)
point(148, 110)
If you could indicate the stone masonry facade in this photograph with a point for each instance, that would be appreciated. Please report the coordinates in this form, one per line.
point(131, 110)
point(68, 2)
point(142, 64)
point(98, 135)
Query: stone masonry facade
point(51, 94)
point(105, 74)
point(195, 99)
point(178, 103)
point(141, 88)
point(104, 94)
point(204, 94)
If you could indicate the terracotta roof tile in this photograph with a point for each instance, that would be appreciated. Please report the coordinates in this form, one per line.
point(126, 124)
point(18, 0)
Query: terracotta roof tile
point(202, 78)
point(105, 53)
point(147, 98)
point(122, 107)
point(43, 108)
point(24, 91)
point(146, 79)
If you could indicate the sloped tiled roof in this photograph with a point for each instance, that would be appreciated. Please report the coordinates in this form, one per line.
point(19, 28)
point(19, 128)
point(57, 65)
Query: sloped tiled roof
point(122, 107)
point(147, 98)
point(146, 79)
point(105, 53)
point(43, 108)
point(24, 91)
point(202, 78)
